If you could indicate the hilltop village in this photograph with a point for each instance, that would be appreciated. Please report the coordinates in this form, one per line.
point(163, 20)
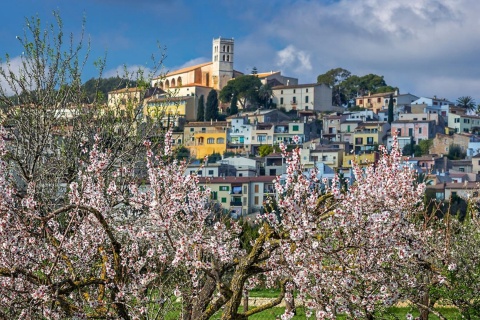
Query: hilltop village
point(241, 137)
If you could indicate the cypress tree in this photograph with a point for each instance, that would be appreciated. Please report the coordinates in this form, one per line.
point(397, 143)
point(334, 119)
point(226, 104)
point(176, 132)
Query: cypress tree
point(201, 109)
point(211, 107)
point(390, 109)
point(233, 106)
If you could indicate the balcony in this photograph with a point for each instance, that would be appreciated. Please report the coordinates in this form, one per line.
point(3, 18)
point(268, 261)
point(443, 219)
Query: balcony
point(235, 203)
point(269, 190)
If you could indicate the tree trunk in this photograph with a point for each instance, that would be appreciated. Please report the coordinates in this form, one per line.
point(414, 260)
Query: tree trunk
point(245, 300)
point(290, 302)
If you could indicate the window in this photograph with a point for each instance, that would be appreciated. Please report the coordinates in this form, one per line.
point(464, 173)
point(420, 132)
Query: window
point(358, 140)
point(210, 172)
point(293, 90)
point(369, 140)
point(255, 200)
point(295, 128)
point(192, 129)
point(224, 188)
point(220, 140)
point(294, 100)
point(306, 90)
point(281, 91)
point(420, 130)
point(379, 100)
point(306, 99)
point(224, 200)
point(360, 101)
point(245, 189)
point(204, 130)
point(210, 140)
point(281, 100)
point(410, 132)
point(213, 194)
point(256, 188)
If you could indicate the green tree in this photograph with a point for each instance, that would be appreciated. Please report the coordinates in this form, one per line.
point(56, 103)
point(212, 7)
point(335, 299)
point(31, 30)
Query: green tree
point(182, 153)
point(390, 109)
point(411, 149)
point(201, 109)
point(244, 88)
point(425, 146)
point(98, 89)
point(265, 150)
point(264, 95)
point(233, 106)
point(467, 103)
point(346, 86)
point(455, 152)
point(211, 107)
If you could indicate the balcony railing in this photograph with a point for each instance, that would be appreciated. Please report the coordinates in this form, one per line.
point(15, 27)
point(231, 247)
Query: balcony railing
point(235, 203)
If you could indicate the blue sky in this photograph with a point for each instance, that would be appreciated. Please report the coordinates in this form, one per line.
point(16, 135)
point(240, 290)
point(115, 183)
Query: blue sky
point(425, 47)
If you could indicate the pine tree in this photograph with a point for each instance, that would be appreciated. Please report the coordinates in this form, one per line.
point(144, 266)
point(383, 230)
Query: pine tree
point(201, 109)
point(211, 107)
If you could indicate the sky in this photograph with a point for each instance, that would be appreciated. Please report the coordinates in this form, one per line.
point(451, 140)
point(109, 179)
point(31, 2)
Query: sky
point(424, 47)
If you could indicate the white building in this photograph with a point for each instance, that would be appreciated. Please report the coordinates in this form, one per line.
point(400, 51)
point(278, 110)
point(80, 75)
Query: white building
point(317, 97)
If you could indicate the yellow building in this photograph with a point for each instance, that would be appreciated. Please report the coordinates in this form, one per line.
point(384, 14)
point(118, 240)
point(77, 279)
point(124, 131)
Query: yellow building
point(365, 159)
point(205, 138)
point(368, 135)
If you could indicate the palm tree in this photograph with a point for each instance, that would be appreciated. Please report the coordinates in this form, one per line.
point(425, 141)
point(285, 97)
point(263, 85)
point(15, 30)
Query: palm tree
point(467, 103)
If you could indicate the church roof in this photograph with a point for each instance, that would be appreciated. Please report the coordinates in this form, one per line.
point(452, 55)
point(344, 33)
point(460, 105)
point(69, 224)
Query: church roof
point(266, 74)
point(186, 69)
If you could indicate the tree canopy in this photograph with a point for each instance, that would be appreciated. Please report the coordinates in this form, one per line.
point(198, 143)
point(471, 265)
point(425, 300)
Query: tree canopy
point(245, 88)
point(347, 86)
point(467, 103)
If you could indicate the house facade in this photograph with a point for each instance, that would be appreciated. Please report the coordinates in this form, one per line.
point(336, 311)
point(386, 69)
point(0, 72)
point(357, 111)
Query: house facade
point(316, 97)
point(205, 138)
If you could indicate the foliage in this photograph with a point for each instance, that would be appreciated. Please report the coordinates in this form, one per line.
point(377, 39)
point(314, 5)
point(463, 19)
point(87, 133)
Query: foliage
point(390, 109)
point(467, 102)
point(265, 150)
point(182, 153)
point(418, 150)
point(98, 89)
point(455, 152)
point(412, 149)
point(211, 107)
point(233, 106)
point(97, 221)
point(347, 86)
point(425, 146)
point(201, 109)
point(244, 88)
point(214, 157)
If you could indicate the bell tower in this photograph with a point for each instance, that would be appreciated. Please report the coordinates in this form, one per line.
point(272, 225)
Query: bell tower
point(222, 59)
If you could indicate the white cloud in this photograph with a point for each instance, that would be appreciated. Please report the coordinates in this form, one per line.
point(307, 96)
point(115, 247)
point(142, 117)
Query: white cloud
point(422, 46)
point(290, 58)
point(14, 66)
point(190, 63)
point(132, 72)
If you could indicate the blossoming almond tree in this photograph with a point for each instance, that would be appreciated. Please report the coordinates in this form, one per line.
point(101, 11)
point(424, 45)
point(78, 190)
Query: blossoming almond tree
point(341, 251)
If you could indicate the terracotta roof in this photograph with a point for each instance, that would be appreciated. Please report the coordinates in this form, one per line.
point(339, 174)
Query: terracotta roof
point(183, 70)
point(308, 85)
point(207, 124)
point(239, 180)
point(266, 74)
point(124, 90)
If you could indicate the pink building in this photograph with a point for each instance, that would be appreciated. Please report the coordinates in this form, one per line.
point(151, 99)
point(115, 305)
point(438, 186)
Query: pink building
point(418, 130)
